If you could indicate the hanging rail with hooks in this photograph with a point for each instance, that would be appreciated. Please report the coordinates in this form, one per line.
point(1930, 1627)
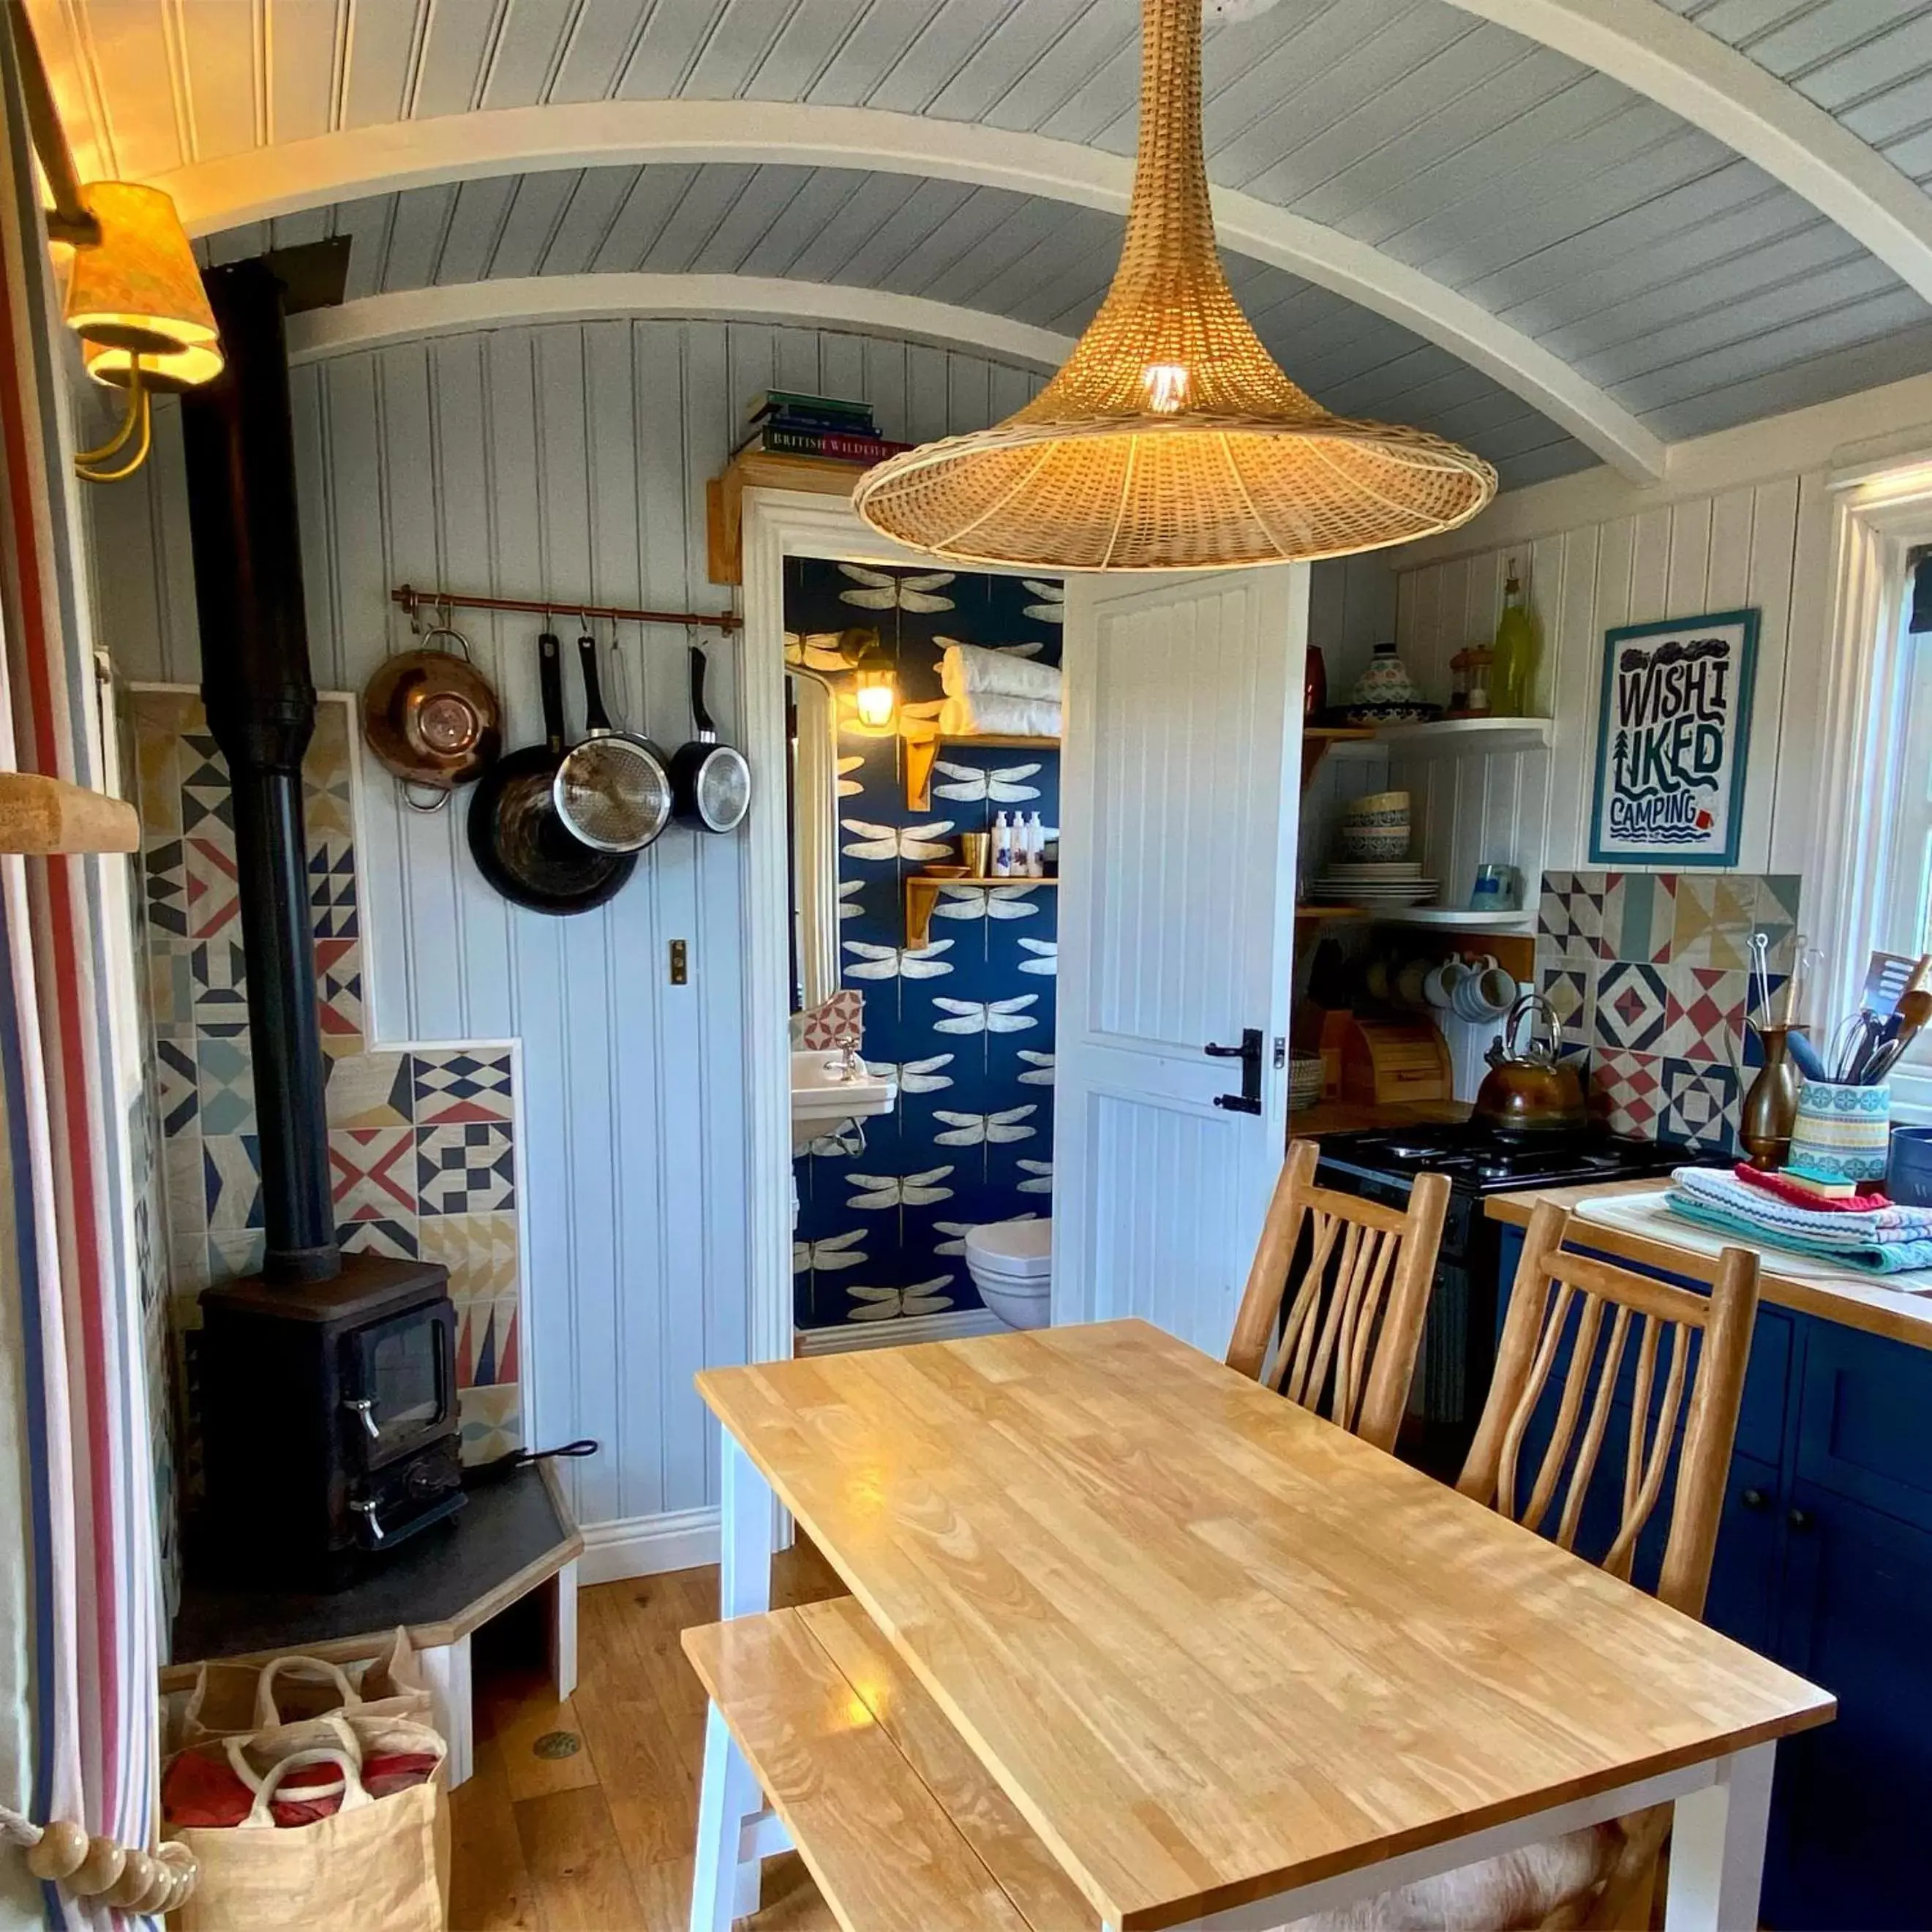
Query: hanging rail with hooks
point(435, 601)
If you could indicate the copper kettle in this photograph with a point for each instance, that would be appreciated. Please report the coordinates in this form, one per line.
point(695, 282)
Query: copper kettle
point(1529, 1089)
point(432, 718)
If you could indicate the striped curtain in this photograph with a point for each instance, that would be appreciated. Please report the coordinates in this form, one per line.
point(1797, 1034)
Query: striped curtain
point(73, 1385)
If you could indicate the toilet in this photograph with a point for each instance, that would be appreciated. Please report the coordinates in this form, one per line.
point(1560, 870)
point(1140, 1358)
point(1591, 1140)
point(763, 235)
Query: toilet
point(1011, 1263)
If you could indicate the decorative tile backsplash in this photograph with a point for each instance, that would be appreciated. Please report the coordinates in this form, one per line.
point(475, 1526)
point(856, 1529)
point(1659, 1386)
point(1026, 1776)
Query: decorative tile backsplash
point(422, 1140)
point(1649, 974)
point(967, 1021)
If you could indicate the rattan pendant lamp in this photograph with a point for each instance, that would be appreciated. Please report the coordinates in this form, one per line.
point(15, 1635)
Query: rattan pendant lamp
point(1170, 440)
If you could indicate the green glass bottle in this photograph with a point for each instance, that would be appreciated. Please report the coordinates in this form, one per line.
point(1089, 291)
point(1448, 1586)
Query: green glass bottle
point(1512, 681)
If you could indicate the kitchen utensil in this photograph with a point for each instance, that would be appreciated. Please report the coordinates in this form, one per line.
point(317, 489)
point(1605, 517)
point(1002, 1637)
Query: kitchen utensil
point(1529, 1090)
point(1760, 953)
point(1841, 1133)
point(1915, 1009)
point(711, 783)
point(1805, 1056)
point(1858, 1035)
point(614, 791)
point(520, 843)
point(431, 718)
point(1764, 1120)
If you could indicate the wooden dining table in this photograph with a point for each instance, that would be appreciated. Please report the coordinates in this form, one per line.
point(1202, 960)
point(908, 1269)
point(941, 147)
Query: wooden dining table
point(1230, 1664)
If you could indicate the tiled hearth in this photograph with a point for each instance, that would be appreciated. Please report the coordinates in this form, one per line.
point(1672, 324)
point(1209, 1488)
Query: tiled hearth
point(1649, 973)
point(422, 1139)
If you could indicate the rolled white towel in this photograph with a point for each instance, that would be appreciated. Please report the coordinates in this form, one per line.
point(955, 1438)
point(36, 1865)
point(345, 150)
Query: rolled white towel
point(992, 715)
point(965, 670)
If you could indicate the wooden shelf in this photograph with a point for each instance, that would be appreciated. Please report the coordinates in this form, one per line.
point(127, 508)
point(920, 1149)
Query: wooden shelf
point(921, 754)
point(761, 470)
point(42, 816)
point(1317, 740)
point(1309, 911)
point(922, 894)
point(1470, 735)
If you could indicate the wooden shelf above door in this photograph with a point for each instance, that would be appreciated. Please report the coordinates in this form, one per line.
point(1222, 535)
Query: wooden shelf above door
point(761, 470)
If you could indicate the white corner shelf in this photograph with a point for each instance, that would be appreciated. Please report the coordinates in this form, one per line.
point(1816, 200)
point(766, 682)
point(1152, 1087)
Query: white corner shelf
point(1470, 735)
point(1521, 925)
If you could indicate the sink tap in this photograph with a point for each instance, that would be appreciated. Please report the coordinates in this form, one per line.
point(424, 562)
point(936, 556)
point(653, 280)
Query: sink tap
point(851, 1068)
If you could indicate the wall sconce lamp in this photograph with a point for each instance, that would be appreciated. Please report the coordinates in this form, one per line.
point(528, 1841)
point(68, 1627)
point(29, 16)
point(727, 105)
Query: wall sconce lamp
point(875, 688)
point(134, 295)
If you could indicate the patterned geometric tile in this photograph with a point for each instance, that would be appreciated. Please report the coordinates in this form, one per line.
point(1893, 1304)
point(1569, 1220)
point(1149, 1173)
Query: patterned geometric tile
point(171, 988)
point(1699, 1105)
point(225, 1075)
point(1572, 992)
point(338, 964)
point(1627, 1091)
point(469, 1169)
point(455, 1086)
point(231, 1166)
point(184, 1191)
point(220, 980)
point(1776, 914)
point(1715, 915)
point(208, 801)
point(372, 1174)
point(332, 887)
point(214, 900)
point(486, 1342)
point(396, 1239)
point(1707, 1014)
point(479, 1250)
point(1570, 919)
point(1646, 917)
point(370, 1090)
point(492, 1421)
point(1633, 1007)
point(164, 880)
point(177, 1086)
point(234, 1253)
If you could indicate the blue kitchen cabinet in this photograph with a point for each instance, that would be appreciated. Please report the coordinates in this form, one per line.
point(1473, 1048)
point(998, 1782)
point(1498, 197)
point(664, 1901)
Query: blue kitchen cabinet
point(1824, 1562)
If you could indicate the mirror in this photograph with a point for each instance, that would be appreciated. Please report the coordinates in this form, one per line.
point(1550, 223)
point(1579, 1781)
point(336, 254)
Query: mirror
point(813, 810)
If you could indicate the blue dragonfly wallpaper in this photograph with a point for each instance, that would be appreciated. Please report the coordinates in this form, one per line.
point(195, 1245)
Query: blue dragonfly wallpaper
point(966, 1021)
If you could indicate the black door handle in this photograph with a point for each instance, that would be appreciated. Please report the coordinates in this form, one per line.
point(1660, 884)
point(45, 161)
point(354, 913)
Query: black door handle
point(1799, 1518)
point(1249, 1053)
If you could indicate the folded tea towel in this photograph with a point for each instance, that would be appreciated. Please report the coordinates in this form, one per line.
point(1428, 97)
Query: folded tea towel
point(1870, 1194)
point(966, 670)
point(1878, 1240)
point(991, 714)
point(1849, 1226)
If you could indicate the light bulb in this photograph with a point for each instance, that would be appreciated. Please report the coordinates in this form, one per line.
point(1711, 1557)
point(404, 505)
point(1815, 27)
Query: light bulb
point(875, 699)
point(1166, 386)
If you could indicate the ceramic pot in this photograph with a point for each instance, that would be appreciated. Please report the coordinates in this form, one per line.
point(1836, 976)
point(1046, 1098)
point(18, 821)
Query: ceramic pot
point(1841, 1133)
point(1386, 682)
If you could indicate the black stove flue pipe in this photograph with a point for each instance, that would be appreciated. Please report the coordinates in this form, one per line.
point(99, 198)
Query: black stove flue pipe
point(239, 439)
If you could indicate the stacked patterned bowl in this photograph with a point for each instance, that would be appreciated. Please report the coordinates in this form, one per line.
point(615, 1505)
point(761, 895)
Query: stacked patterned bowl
point(1371, 869)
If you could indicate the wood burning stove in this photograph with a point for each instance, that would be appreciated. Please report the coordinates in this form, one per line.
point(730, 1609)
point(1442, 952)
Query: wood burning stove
point(328, 1381)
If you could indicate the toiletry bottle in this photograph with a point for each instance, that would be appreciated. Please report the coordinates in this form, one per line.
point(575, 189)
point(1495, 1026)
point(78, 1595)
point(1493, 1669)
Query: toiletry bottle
point(1036, 847)
point(1003, 846)
point(1512, 677)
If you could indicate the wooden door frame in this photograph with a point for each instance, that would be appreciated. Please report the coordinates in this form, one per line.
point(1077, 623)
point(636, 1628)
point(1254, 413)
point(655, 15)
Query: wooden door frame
point(778, 524)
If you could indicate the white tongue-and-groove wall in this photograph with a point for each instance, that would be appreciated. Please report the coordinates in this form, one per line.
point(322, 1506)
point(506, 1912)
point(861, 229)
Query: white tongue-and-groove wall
point(563, 460)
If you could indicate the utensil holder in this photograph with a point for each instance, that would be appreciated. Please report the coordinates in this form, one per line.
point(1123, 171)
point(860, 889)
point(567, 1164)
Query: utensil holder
point(1841, 1133)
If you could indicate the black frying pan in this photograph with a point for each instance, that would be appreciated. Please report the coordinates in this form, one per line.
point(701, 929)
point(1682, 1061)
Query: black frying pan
point(519, 843)
point(710, 783)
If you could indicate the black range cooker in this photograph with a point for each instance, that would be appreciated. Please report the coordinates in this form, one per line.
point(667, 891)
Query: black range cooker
point(1459, 1342)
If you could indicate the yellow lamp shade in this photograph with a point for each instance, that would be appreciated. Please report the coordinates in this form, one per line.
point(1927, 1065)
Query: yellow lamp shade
point(137, 292)
point(875, 696)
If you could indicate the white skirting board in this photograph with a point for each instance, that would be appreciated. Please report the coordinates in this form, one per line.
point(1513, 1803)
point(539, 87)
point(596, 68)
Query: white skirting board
point(646, 1546)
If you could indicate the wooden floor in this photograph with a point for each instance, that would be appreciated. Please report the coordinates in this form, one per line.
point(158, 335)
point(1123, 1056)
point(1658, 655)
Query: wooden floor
point(581, 1817)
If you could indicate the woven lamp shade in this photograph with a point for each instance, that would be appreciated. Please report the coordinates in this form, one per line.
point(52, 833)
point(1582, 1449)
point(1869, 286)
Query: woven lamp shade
point(137, 292)
point(1170, 440)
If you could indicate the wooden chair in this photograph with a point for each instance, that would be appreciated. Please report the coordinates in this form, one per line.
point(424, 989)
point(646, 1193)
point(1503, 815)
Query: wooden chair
point(1354, 1325)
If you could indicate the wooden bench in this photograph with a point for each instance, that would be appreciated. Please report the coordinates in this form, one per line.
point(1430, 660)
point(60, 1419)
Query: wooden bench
point(895, 1818)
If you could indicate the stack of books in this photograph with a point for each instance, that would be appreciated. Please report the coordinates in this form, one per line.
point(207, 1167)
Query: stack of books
point(788, 423)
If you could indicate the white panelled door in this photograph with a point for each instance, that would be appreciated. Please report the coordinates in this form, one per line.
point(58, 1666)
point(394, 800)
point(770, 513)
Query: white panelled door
point(1180, 806)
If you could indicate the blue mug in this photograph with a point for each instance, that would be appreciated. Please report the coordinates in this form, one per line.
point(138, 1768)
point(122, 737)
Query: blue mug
point(1498, 889)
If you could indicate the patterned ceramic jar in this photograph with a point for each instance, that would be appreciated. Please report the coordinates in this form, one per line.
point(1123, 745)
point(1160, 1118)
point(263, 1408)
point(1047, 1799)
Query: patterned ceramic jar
point(1842, 1133)
point(1386, 682)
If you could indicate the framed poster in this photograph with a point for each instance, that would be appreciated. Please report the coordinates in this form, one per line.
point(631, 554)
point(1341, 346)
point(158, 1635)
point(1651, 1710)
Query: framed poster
point(1672, 732)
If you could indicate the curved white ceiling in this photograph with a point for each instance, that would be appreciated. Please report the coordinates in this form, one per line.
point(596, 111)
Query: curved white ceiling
point(1497, 176)
point(283, 180)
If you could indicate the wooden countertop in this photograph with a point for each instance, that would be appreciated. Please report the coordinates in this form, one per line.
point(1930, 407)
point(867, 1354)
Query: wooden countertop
point(1871, 1306)
point(1210, 1645)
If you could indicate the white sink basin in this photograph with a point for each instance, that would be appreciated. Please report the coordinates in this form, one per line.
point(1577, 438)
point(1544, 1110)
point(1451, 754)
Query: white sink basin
point(822, 1097)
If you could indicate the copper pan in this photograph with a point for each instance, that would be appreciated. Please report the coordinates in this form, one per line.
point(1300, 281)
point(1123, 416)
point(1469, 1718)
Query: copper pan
point(431, 718)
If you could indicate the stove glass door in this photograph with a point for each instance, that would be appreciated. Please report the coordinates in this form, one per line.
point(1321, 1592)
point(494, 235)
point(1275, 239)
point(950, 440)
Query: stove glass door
point(401, 1382)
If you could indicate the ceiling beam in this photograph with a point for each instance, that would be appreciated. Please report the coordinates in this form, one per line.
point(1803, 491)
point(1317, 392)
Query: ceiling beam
point(284, 178)
point(414, 313)
point(1658, 53)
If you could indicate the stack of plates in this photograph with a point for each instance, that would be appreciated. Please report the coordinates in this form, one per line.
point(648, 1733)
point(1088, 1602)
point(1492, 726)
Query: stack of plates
point(1394, 884)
